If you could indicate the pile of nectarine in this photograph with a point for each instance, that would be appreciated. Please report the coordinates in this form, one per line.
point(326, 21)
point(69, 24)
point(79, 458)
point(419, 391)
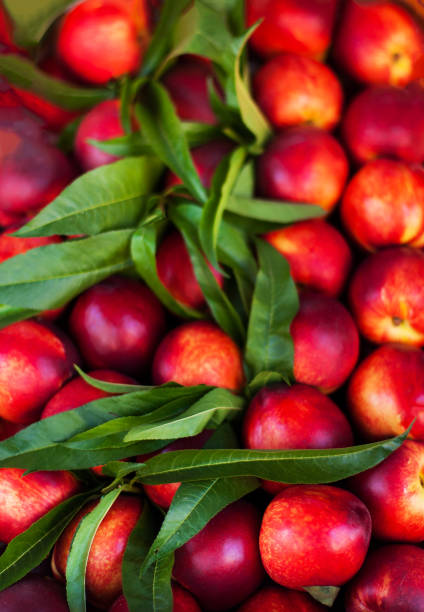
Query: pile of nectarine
point(211, 306)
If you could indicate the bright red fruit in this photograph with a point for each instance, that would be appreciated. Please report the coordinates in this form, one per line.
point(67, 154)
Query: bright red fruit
point(317, 252)
point(393, 492)
point(183, 602)
point(117, 324)
point(12, 245)
point(303, 164)
point(283, 417)
point(221, 565)
point(387, 296)
point(34, 363)
point(176, 271)
point(101, 123)
point(302, 27)
point(275, 598)
point(25, 499)
point(294, 90)
point(103, 579)
point(391, 578)
point(206, 159)
point(383, 204)
point(197, 353)
point(326, 342)
point(378, 42)
point(314, 535)
point(36, 593)
point(99, 40)
point(386, 393)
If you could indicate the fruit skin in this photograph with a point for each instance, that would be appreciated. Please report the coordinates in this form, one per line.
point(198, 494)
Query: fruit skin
point(197, 353)
point(386, 294)
point(386, 121)
point(25, 499)
point(183, 602)
point(176, 271)
point(275, 598)
point(98, 41)
point(393, 493)
point(35, 361)
point(36, 593)
point(317, 252)
point(101, 123)
point(302, 27)
point(293, 90)
point(383, 204)
point(314, 535)
point(117, 325)
point(13, 245)
point(206, 159)
point(77, 392)
point(303, 164)
point(391, 578)
point(163, 494)
point(326, 342)
point(187, 84)
point(283, 417)
point(378, 43)
point(386, 391)
point(103, 578)
point(221, 564)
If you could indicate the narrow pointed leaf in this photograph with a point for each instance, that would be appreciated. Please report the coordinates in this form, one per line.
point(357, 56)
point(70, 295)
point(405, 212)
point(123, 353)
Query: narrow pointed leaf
point(117, 388)
point(12, 314)
point(272, 211)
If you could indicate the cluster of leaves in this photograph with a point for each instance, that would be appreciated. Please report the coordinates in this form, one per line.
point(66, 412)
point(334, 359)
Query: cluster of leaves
point(122, 214)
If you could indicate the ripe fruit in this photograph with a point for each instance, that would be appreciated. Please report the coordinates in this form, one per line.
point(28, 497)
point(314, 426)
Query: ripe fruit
point(197, 353)
point(12, 245)
point(303, 164)
point(314, 535)
point(378, 42)
point(386, 392)
point(298, 27)
point(77, 392)
point(387, 296)
point(117, 324)
point(391, 578)
point(187, 84)
point(26, 498)
point(326, 342)
point(221, 565)
point(99, 40)
point(383, 204)
point(183, 602)
point(176, 271)
point(277, 599)
point(103, 577)
point(206, 159)
point(34, 363)
point(293, 90)
point(282, 417)
point(317, 252)
point(34, 592)
point(393, 493)
point(101, 123)
point(386, 122)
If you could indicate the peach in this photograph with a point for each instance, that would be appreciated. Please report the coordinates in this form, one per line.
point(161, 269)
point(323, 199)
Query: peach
point(36, 592)
point(277, 599)
point(183, 601)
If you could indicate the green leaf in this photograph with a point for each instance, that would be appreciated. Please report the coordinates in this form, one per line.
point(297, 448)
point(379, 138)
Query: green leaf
point(22, 73)
point(11, 314)
point(50, 276)
point(289, 466)
point(157, 586)
point(66, 139)
point(221, 307)
point(213, 210)
point(263, 379)
point(193, 506)
point(125, 100)
point(269, 346)
point(30, 548)
point(143, 252)
point(159, 44)
point(252, 116)
point(245, 183)
point(136, 591)
point(164, 133)
point(108, 198)
point(275, 211)
point(324, 594)
point(32, 19)
point(109, 387)
point(80, 549)
point(208, 412)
